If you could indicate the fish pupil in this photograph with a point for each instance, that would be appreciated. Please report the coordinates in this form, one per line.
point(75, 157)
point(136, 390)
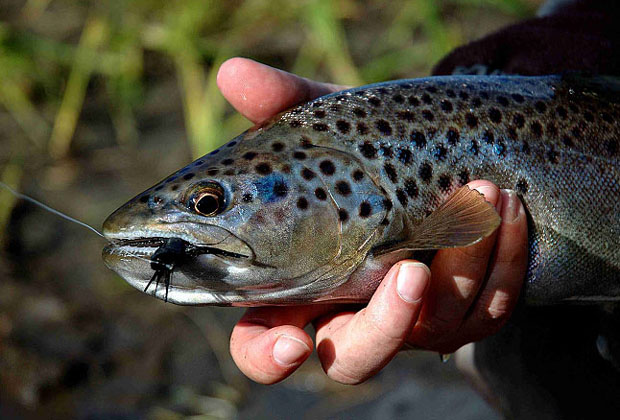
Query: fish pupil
point(207, 204)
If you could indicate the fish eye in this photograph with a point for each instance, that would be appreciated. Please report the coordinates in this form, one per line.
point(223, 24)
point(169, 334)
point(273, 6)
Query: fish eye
point(209, 200)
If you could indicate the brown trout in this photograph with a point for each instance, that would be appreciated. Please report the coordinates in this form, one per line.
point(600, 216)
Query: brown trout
point(316, 204)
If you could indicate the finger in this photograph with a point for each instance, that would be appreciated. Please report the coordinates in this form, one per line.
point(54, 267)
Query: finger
point(458, 274)
point(268, 344)
point(353, 347)
point(507, 270)
point(258, 91)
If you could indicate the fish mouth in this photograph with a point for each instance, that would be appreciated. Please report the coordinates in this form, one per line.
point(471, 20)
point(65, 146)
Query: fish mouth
point(177, 268)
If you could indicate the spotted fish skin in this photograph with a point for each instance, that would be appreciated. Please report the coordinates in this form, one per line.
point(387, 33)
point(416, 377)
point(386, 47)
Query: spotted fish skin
point(315, 193)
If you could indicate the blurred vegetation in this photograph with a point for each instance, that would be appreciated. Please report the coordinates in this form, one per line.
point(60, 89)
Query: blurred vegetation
point(97, 100)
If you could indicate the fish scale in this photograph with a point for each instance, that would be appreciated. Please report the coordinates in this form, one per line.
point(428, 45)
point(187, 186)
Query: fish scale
point(317, 192)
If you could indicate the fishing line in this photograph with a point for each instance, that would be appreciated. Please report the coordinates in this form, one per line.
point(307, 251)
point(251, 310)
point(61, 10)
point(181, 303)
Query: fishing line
point(66, 217)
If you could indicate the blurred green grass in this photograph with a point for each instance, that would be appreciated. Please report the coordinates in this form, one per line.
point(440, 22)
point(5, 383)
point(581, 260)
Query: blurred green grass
point(52, 51)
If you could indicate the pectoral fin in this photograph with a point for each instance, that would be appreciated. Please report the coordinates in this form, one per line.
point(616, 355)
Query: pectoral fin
point(464, 219)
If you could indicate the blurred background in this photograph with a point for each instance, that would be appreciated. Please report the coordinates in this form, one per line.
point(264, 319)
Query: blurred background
point(101, 99)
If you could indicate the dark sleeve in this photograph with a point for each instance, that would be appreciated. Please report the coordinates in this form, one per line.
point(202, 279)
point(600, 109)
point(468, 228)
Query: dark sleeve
point(582, 36)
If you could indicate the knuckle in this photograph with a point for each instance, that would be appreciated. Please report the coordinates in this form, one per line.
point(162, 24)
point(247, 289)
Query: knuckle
point(345, 375)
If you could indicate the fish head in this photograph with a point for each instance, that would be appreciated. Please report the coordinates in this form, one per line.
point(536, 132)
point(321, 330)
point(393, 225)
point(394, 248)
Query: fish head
point(263, 220)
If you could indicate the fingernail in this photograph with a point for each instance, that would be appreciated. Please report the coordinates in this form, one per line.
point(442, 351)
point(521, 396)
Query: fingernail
point(511, 206)
point(411, 281)
point(289, 350)
point(490, 194)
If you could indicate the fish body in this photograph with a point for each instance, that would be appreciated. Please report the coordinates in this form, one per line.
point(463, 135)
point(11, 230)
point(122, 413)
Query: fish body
point(317, 203)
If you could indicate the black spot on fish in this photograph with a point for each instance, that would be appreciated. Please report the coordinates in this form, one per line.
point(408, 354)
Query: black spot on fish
point(343, 215)
point(446, 105)
point(294, 123)
point(280, 189)
point(359, 112)
point(317, 104)
point(320, 194)
point(428, 115)
point(452, 136)
point(404, 156)
point(231, 144)
point(174, 188)
point(536, 128)
point(463, 177)
point(159, 188)
point(212, 172)
point(413, 100)
point(450, 93)
point(358, 175)
point(387, 204)
point(512, 133)
point(391, 172)
point(411, 188)
point(374, 101)
point(343, 188)
point(302, 203)
point(473, 147)
point(576, 132)
point(612, 146)
point(189, 176)
point(320, 127)
point(365, 209)
point(343, 126)
point(386, 150)
point(418, 139)
point(567, 141)
point(327, 167)
point(384, 127)
point(525, 147)
point(518, 98)
point(263, 168)
point(247, 198)
point(402, 197)
point(405, 115)
point(382, 90)
point(552, 130)
point(362, 128)
point(229, 172)
point(502, 100)
point(495, 115)
point(426, 99)
point(198, 163)
point(518, 120)
point(445, 181)
point(319, 113)
point(476, 102)
point(484, 95)
point(249, 155)
point(522, 186)
point(471, 120)
point(440, 152)
point(307, 174)
point(368, 150)
point(552, 155)
point(215, 152)
point(431, 89)
point(299, 155)
point(463, 95)
point(398, 98)
point(426, 172)
point(606, 117)
point(277, 147)
point(588, 116)
point(144, 198)
point(228, 162)
point(561, 111)
point(574, 108)
point(540, 107)
point(488, 137)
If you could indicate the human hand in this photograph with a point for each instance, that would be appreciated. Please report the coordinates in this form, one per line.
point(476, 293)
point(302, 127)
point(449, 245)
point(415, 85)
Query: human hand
point(472, 293)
